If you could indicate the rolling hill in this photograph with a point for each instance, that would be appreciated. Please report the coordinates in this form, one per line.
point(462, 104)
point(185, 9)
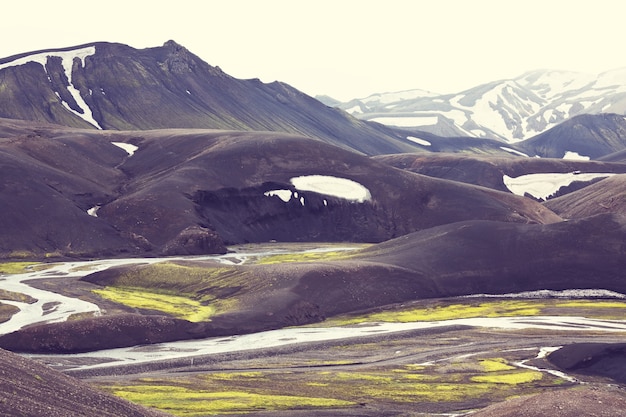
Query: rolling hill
point(79, 193)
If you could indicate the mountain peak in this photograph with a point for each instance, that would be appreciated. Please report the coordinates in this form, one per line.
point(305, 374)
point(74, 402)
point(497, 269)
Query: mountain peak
point(179, 60)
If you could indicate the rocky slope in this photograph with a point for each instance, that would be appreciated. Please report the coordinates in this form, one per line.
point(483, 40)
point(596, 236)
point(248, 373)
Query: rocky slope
point(30, 389)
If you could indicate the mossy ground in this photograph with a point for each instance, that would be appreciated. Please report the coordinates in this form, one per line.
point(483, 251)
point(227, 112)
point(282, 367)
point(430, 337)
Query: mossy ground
point(190, 292)
point(168, 303)
point(15, 267)
point(461, 383)
point(463, 308)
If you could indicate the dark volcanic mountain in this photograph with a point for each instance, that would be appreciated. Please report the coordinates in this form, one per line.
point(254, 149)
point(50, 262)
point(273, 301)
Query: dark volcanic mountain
point(113, 86)
point(73, 192)
point(587, 135)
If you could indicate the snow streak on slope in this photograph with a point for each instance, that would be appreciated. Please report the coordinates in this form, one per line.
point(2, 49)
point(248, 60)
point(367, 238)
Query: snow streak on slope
point(67, 59)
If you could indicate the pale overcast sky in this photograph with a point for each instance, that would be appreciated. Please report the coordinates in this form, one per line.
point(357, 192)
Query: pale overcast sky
point(343, 48)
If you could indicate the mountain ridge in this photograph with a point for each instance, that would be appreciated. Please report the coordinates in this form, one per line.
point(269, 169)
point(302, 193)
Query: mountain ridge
point(113, 86)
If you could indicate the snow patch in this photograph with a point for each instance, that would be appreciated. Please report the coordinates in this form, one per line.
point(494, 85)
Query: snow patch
point(355, 109)
point(332, 186)
point(93, 211)
point(575, 156)
point(284, 195)
point(129, 148)
point(542, 186)
point(419, 141)
point(407, 121)
point(504, 148)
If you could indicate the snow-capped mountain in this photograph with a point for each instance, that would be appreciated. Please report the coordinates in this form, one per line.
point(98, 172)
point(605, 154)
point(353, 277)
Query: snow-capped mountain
point(512, 110)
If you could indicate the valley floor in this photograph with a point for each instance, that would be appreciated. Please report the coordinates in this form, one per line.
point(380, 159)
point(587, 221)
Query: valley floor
point(444, 371)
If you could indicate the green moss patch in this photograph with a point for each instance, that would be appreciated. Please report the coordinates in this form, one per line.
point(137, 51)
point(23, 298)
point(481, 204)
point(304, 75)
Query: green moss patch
point(187, 402)
point(174, 305)
point(449, 310)
point(507, 308)
point(15, 267)
point(303, 257)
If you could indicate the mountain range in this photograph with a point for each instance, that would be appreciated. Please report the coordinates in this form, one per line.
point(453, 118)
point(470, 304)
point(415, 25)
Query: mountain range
point(511, 110)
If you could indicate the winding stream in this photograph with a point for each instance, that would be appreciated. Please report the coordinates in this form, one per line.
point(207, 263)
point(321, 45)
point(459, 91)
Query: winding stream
point(52, 307)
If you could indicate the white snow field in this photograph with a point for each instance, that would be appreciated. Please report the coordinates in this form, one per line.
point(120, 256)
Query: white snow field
point(323, 184)
point(543, 186)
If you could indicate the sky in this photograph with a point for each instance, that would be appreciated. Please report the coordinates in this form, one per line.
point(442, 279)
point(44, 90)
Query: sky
point(343, 48)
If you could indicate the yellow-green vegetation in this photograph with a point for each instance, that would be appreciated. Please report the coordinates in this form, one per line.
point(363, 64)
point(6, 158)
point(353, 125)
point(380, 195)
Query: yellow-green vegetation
point(495, 365)
point(429, 311)
point(175, 305)
point(508, 308)
point(187, 401)
point(190, 291)
point(15, 267)
point(463, 383)
point(22, 267)
point(187, 278)
point(600, 309)
point(522, 377)
point(304, 257)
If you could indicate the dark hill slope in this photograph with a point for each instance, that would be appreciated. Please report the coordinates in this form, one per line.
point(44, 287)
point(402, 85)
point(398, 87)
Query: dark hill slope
point(473, 257)
point(607, 360)
point(488, 171)
point(588, 135)
point(30, 389)
point(606, 196)
point(185, 191)
point(114, 86)
point(224, 181)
